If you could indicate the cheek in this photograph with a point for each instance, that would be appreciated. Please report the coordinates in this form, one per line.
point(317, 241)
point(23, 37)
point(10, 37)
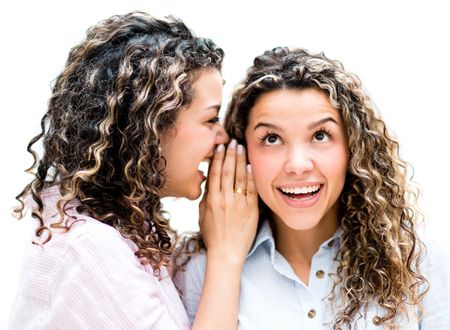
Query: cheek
point(337, 168)
point(263, 166)
point(193, 141)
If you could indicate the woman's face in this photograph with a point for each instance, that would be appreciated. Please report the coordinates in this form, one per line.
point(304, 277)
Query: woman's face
point(194, 137)
point(298, 149)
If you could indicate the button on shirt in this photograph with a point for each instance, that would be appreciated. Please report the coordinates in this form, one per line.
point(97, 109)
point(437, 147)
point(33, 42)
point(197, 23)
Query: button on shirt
point(273, 297)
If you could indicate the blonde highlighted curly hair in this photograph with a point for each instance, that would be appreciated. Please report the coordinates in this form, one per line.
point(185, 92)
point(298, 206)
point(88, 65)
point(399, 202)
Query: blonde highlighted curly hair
point(121, 88)
point(379, 251)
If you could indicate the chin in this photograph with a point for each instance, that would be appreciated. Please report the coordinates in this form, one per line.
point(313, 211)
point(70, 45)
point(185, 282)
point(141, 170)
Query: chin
point(194, 194)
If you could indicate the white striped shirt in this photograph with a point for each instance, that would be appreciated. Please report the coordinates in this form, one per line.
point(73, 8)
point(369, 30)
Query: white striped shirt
point(273, 297)
point(90, 278)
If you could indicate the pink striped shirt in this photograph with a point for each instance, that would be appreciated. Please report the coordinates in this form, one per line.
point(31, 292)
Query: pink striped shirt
point(90, 278)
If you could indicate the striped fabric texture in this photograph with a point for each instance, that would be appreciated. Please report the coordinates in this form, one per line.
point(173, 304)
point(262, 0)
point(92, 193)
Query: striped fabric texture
point(90, 278)
point(273, 297)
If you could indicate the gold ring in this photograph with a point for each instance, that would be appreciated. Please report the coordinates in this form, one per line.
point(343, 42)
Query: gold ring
point(239, 190)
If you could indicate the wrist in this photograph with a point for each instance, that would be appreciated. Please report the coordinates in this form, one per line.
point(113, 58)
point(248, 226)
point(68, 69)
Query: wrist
point(225, 259)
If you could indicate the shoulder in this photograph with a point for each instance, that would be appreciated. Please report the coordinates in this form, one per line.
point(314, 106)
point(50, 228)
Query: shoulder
point(88, 248)
point(91, 233)
point(435, 266)
point(194, 268)
point(82, 227)
point(100, 261)
point(197, 262)
point(87, 237)
point(189, 282)
point(190, 277)
point(90, 239)
point(95, 247)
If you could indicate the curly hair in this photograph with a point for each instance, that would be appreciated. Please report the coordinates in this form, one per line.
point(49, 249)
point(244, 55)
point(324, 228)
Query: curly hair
point(122, 87)
point(379, 249)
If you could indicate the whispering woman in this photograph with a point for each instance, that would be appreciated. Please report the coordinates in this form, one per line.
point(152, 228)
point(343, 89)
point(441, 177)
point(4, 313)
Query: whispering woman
point(130, 119)
point(336, 246)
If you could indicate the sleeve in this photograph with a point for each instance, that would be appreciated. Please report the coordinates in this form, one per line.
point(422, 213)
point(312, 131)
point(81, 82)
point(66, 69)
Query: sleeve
point(190, 284)
point(101, 285)
point(436, 303)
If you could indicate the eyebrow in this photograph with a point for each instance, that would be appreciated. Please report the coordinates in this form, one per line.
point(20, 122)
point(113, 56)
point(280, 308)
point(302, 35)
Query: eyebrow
point(321, 122)
point(213, 107)
point(310, 126)
point(267, 125)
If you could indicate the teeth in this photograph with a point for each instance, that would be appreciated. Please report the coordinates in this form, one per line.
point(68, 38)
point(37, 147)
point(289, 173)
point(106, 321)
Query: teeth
point(300, 190)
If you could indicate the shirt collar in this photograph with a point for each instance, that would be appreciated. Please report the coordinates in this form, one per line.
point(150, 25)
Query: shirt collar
point(264, 234)
point(334, 240)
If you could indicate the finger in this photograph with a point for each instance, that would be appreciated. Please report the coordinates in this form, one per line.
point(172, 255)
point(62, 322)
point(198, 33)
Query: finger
point(252, 195)
point(229, 168)
point(240, 181)
point(215, 170)
point(202, 203)
point(201, 209)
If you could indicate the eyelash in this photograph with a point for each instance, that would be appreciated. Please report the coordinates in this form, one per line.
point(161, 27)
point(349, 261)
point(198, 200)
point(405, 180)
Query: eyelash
point(264, 137)
point(214, 120)
point(323, 130)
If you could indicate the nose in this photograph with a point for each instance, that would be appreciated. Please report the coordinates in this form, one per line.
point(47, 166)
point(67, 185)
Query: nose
point(299, 160)
point(222, 136)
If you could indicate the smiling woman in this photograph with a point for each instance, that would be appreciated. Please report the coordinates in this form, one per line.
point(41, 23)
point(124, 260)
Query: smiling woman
point(337, 245)
point(282, 151)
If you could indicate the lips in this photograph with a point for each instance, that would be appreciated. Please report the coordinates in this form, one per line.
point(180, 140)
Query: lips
point(203, 167)
point(202, 175)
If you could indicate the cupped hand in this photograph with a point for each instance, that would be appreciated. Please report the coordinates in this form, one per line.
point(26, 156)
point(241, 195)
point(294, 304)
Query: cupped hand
point(229, 208)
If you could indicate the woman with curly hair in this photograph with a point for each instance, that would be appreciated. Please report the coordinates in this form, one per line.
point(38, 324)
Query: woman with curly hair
point(336, 245)
point(130, 118)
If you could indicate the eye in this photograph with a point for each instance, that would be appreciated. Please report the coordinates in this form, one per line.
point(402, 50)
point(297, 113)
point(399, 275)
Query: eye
point(214, 120)
point(271, 139)
point(321, 136)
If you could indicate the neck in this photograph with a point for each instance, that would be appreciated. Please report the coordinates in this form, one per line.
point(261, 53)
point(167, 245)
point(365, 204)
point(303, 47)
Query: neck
point(299, 246)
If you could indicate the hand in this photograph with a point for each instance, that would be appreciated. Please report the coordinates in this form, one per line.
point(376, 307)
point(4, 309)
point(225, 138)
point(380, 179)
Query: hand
point(229, 208)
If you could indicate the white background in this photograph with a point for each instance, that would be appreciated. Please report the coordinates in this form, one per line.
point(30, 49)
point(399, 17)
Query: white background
point(400, 50)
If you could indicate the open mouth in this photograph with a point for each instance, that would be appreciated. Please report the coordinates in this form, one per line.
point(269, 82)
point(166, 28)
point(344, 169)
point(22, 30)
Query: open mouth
point(301, 193)
point(203, 167)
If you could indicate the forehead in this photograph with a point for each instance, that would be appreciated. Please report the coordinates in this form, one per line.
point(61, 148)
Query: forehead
point(289, 104)
point(207, 84)
point(206, 94)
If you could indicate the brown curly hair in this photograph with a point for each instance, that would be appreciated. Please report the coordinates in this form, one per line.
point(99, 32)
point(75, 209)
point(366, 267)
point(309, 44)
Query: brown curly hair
point(379, 249)
point(121, 88)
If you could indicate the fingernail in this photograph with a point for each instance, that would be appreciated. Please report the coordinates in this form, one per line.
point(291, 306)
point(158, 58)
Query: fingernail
point(240, 149)
point(249, 168)
point(220, 148)
point(232, 144)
